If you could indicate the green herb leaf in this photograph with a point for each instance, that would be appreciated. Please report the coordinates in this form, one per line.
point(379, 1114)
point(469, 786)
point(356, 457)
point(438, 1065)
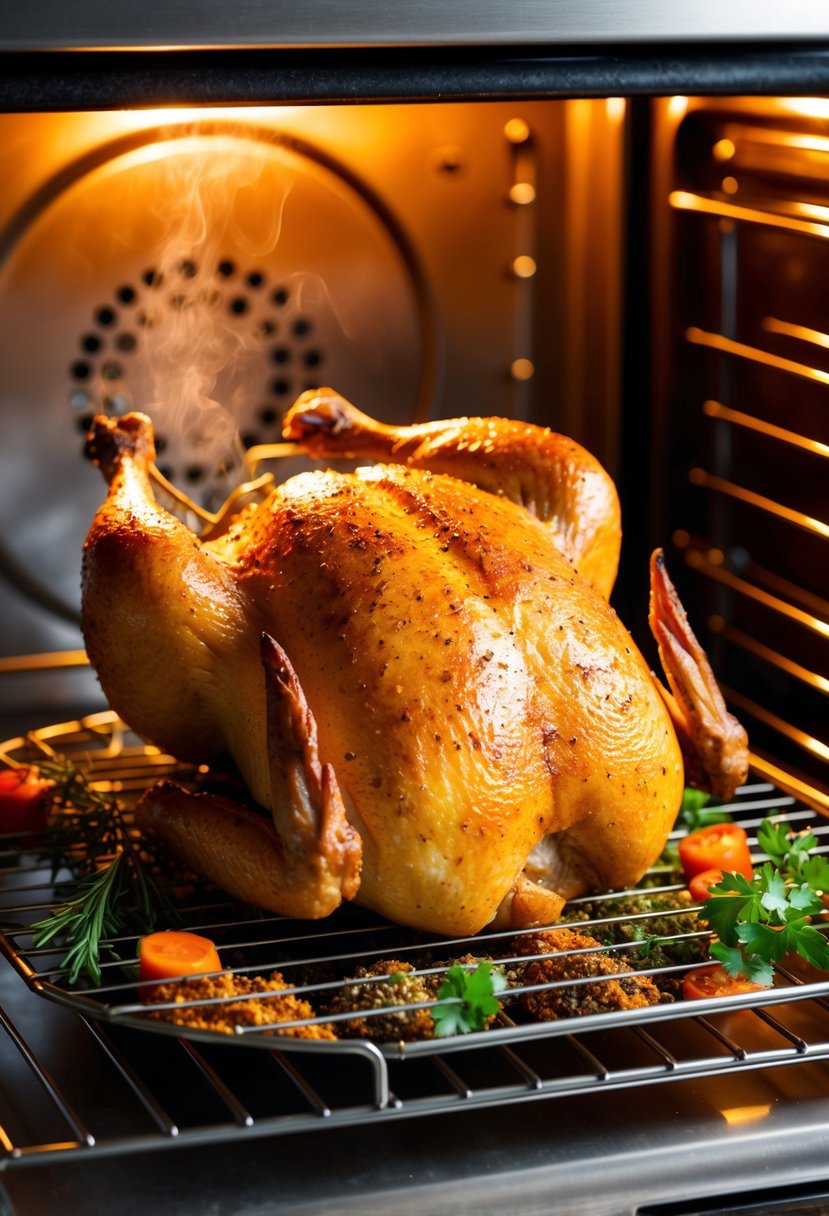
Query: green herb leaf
point(768, 944)
point(774, 897)
point(82, 922)
point(113, 889)
point(737, 963)
point(813, 946)
point(467, 1000)
point(792, 854)
point(759, 921)
point(815, 872)
point(804, 901)
point(730, 903)
point(694, 811)
point(773, 839)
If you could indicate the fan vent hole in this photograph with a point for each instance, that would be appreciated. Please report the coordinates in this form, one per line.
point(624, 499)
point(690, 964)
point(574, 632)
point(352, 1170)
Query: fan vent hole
point(267, 318)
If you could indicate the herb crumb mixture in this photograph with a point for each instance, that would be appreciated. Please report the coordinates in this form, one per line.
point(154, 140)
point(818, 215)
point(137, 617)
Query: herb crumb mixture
point(401, 988)
point(618, 986)
point(249, 1011)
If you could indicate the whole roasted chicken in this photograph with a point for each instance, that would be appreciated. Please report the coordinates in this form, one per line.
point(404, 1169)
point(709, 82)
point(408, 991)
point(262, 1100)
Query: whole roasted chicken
point(414, 667)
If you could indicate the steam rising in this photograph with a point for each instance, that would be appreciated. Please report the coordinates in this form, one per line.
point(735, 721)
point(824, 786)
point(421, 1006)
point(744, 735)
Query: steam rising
point(199, 355)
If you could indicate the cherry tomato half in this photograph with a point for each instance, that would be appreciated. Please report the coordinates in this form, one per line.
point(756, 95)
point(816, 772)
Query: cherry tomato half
point(715, 981)
point(25, 798)
point(700, 885)
point(721, 846)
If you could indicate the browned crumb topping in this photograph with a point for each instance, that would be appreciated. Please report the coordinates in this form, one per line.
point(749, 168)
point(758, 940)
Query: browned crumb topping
point(401, 988)
point(229, 1013)
point(625, 990)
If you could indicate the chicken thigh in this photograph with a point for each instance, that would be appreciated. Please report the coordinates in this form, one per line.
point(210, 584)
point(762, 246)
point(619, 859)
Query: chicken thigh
point(413, 666)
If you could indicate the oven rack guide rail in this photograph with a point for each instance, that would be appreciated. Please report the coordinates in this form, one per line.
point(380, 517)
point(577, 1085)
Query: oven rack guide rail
point(293, 1084)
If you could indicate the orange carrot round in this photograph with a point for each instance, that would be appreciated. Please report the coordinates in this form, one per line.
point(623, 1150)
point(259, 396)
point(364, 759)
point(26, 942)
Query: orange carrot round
point(172, 953)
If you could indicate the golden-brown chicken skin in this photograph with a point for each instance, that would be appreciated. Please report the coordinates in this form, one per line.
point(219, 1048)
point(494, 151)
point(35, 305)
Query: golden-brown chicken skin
point(412, 678)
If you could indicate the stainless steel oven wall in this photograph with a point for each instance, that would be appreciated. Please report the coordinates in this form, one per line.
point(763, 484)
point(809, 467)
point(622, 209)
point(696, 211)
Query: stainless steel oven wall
point(741, 370)
point(208, 265)
point(186, 23)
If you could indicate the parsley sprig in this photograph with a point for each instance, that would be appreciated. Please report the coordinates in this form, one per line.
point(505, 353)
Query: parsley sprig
point(758, 921)
point(467, 1000)
point(694, 812)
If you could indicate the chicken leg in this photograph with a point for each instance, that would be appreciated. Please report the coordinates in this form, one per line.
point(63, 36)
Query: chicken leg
point(304, 862)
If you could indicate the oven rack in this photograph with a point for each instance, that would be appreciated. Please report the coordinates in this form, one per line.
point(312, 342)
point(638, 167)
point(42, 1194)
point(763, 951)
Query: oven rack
point(196, 1086)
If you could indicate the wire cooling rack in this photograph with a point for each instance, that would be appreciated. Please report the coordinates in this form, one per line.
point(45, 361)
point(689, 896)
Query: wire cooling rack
point(320, 961)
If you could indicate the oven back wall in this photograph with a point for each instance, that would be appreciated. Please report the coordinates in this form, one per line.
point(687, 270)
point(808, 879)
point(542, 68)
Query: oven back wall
point(206, 266)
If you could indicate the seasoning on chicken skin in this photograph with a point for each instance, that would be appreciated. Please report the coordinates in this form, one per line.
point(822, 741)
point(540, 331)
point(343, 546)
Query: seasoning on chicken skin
point(416, 672)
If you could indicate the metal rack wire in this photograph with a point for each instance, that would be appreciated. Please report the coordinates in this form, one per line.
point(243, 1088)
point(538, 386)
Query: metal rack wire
point(751, 198)
point(186, 1085)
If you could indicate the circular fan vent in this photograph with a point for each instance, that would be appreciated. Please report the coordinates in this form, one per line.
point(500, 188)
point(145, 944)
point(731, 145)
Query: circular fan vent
point(205, 276)
point(282, 351)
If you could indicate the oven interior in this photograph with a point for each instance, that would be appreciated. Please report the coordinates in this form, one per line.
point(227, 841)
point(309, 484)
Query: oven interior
point(643, 274)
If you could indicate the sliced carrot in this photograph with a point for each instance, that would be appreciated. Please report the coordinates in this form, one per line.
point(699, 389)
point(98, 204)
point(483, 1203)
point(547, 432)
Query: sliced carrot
point(172, 953)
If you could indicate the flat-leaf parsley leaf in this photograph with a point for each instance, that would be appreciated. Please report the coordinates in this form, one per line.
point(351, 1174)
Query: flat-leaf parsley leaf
point(757, 921)
point(467, 1000)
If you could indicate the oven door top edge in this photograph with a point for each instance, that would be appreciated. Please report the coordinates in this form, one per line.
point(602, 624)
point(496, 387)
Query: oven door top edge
point(199, 24)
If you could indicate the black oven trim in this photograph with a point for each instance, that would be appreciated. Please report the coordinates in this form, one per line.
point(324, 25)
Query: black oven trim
point(94, 80)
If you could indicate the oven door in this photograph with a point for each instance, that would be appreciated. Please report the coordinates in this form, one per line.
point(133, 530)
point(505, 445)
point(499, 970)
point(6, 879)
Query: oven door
point(93, 1116)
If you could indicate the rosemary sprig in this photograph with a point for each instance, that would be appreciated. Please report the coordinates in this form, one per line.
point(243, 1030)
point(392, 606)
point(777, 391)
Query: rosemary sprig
point(113, 887)
point(82, 922)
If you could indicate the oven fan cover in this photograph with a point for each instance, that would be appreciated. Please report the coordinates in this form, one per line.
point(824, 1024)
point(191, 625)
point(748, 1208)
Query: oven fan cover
point(206, 276)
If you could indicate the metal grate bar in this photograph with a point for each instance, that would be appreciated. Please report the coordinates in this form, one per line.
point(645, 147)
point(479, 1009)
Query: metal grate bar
point(797, 1041)
point(531, 1077)
point(599, 1070)
point(147, 1099)
point(738, 1052)
point(715, 409)
point(241, 1115)
point(754, 354)
point(315, 1102)
point(458, 1084)
point(801, 737)
point(59, 1099)
point(721, 485)
point(667, 1057)
point(803, 674)
point(57, 660)
point(684, 200)
point(803, 333)
point(742, 587)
